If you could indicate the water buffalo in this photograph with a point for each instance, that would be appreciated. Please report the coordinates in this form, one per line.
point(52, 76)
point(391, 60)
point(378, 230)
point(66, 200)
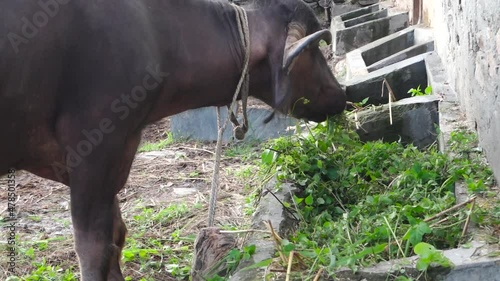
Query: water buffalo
point(80, 79)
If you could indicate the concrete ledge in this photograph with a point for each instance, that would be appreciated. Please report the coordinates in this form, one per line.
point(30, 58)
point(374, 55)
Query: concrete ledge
point(414, 120)
point(348, 37)
point(449, 113)
point(402, 55)
point(471, 264)
point(390, 49)
point(368, 17)
point(359, 12)
point(401, 76)
point(201, 124)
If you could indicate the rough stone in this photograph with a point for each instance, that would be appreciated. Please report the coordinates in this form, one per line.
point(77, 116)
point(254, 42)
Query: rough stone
point(283, 222)
point(414, 120)
point(201, 124)
point(184, 191)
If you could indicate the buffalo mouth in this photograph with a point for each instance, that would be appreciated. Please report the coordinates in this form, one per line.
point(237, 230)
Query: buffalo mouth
point(318, 118)
point(318, 115)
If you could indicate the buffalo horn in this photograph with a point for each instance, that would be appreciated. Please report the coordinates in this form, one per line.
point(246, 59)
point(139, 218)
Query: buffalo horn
point(293, 49)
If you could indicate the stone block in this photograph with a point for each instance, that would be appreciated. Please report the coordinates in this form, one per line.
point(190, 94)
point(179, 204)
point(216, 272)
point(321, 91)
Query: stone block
point(402, 55)
point(201, 125)
point(283, 223)
point(360, 27)
point(364, 18)
point(359, 12)
point(414, 120)
point(401, 76)
point(409, 42)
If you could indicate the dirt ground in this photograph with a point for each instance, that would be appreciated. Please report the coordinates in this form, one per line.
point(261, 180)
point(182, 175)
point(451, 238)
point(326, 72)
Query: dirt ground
point(180, 173)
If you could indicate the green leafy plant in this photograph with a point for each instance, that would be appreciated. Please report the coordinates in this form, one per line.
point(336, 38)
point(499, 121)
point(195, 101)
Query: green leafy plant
point(362, 203)
point(46, 272)
point(428, 255)
point(418, 92)
point(362, 103)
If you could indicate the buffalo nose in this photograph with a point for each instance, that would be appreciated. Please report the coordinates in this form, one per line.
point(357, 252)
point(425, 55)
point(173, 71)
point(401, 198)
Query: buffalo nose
point(339, 103)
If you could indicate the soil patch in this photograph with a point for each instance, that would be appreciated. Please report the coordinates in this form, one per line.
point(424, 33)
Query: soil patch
point(180, 174)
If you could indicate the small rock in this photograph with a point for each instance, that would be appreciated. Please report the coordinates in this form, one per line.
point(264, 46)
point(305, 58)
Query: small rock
point(184, 190)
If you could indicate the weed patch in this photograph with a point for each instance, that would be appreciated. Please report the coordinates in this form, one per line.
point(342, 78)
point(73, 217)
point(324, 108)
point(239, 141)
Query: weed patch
point(157, 145)
point(363, 203)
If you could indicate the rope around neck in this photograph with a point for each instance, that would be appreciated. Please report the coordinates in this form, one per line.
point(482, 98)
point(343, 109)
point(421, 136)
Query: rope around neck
point(239, 130)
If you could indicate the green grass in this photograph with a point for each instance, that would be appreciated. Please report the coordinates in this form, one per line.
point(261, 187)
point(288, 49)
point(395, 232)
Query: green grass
point(45, 272)
point(157, 243)
point(418, 92)
point(245, 151)
point(363, 203)
point(31, 258)
point(147, 147)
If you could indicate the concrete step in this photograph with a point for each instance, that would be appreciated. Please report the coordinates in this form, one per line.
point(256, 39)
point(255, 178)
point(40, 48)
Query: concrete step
point(357, 28)
point(400, 76)
point(412, 120)
point(409, 42)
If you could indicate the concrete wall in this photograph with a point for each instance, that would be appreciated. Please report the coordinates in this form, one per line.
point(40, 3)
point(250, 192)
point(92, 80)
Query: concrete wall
point(406, 5)
point(467, 37)
point(429, 12)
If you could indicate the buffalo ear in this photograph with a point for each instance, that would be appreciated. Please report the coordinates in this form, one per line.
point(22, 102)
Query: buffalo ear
point(280, 80)
point(282, 59)
point(293, 50)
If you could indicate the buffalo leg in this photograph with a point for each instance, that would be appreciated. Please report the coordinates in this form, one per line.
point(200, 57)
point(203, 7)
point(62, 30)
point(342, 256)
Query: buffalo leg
point(119, 234)
point(99, 229)
point(92, 215)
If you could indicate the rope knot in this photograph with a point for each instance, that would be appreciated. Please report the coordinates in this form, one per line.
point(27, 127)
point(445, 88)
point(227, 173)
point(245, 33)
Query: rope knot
point(239, 132)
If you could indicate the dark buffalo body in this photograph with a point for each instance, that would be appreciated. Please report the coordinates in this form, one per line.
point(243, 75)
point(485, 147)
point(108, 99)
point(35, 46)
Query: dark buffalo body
point(80, 79)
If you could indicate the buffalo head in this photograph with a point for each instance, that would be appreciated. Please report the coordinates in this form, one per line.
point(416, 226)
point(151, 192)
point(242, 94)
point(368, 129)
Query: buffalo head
point(302, 84)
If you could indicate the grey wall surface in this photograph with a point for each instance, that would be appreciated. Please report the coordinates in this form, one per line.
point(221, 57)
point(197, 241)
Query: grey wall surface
point(467, 36)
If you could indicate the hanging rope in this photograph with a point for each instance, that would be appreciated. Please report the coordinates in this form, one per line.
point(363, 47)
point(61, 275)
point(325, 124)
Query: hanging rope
point(239, 130)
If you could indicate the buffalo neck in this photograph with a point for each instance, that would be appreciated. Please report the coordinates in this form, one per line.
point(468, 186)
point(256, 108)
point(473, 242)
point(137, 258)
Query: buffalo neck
point(200, 50)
